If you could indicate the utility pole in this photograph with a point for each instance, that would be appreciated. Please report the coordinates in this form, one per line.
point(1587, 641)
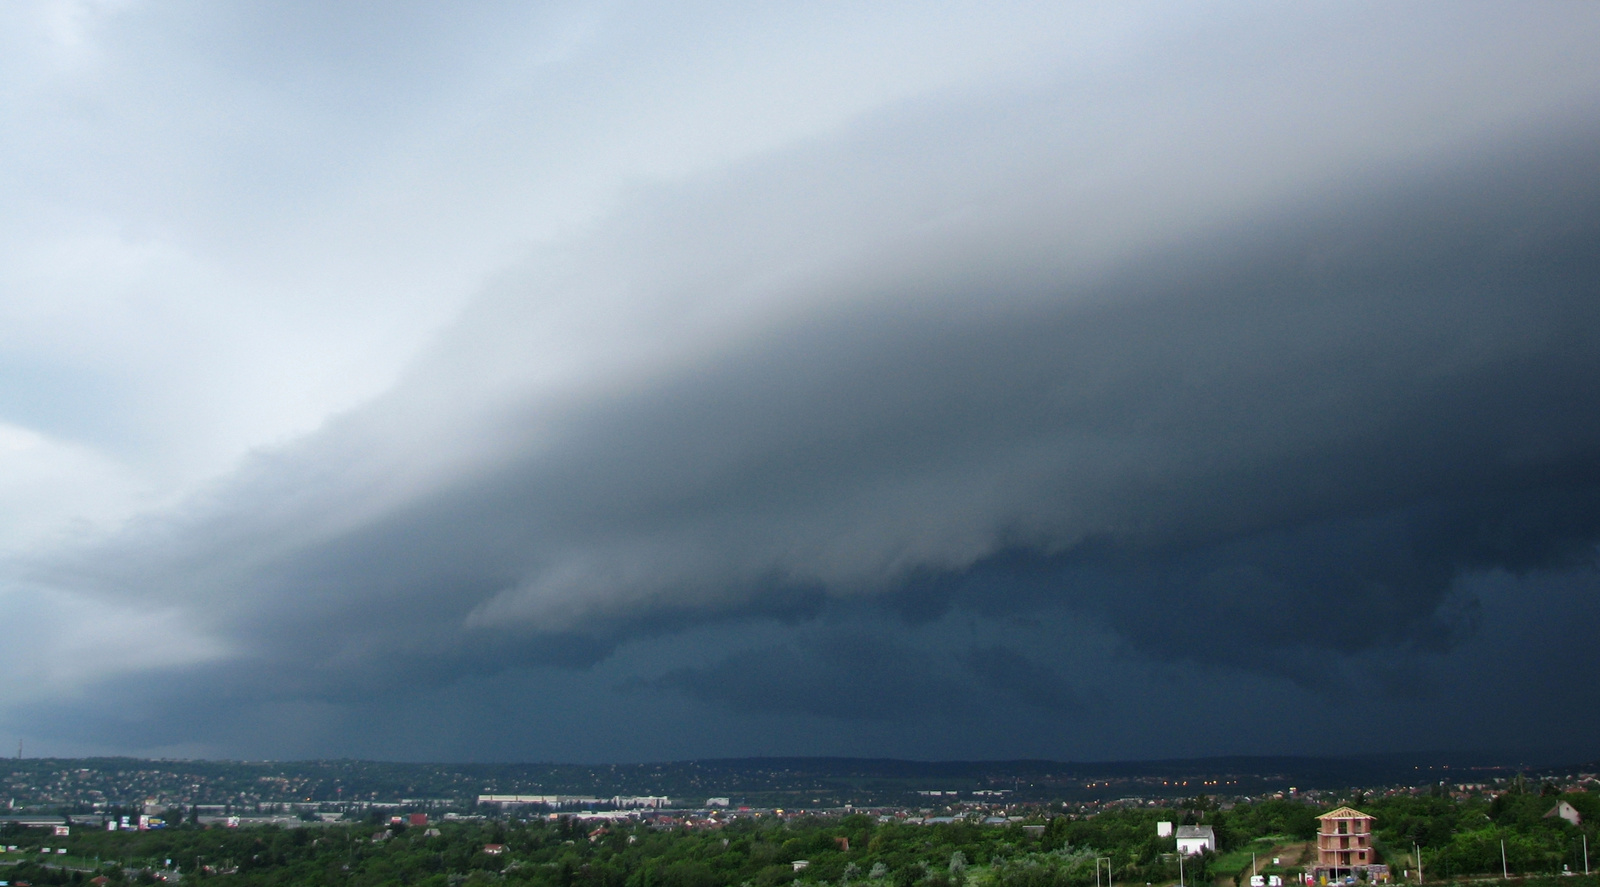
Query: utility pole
point(1418, 850)
point(1505, 873)
point(1180, 868)
point(1586, 854)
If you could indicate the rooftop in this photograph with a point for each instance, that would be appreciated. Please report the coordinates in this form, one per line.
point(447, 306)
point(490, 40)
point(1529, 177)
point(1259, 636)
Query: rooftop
point(1346, 813)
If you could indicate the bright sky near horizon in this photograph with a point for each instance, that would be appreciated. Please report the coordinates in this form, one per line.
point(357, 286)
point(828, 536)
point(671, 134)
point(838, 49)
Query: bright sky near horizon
point(622, 381)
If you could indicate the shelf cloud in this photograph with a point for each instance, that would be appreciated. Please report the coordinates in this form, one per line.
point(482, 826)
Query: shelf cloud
point(1172, 367)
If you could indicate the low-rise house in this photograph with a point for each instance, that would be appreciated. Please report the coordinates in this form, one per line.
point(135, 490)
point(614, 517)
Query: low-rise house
point(1194, 840)
point(1565, 811)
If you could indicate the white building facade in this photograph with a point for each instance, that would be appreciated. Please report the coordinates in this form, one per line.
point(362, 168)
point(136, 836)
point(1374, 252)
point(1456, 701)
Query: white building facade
point(1194, 840)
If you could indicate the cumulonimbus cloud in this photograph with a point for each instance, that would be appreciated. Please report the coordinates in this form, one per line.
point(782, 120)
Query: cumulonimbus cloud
point(1181, 339)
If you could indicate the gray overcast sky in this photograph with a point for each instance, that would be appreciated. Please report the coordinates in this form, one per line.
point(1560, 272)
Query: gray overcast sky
point(616, 381)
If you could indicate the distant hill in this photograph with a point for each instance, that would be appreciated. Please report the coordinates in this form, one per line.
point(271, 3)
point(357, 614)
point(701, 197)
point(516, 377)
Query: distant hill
point(802, 782)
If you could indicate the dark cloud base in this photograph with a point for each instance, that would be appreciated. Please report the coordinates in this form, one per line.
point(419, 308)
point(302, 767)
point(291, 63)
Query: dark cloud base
point(1284, 456)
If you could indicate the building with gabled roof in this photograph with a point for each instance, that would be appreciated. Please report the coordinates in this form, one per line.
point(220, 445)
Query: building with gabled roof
point(1344, 847)
point(1194, 840)
point(1565, 811)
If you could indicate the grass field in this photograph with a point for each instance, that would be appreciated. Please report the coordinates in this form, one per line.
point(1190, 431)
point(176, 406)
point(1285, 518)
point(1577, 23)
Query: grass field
point(1234, 866)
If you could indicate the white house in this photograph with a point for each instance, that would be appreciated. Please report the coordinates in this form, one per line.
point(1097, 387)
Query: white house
point(1196, 839)
point(1565, 811)
point(1163, 829)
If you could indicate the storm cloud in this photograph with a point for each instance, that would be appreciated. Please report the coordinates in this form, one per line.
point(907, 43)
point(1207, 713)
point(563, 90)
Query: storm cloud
point(1218, 359)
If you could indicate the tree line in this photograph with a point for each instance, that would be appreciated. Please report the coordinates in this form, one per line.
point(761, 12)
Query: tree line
point(1457, 838)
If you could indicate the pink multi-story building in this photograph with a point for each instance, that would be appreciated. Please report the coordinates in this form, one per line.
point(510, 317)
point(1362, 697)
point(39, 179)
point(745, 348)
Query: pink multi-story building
point(1344, 846)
